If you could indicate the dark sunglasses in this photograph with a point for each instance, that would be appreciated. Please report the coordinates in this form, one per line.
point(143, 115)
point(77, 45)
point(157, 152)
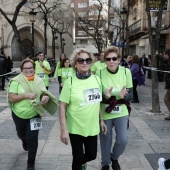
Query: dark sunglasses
point(113, 58)
point(81, 60)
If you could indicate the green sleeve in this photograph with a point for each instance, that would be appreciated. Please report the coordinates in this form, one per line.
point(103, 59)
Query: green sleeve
point(66, 91)
point(60, 72)
point(56, 69)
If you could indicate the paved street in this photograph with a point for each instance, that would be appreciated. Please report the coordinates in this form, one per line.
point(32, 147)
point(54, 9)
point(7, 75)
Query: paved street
point(149, 138)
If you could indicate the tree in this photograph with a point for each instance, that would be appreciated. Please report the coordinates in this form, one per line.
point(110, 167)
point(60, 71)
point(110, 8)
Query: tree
point(46, 7)
point(12, 22)
point(60, 21)
point(94, 23)
point(154, 37)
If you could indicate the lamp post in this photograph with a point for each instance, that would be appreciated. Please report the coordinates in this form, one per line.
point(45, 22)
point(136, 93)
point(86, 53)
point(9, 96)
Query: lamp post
point(123, 14)
point(63, 44)
point(32, 15)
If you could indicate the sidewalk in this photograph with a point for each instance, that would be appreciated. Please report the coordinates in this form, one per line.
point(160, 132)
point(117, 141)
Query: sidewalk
point(149, 138)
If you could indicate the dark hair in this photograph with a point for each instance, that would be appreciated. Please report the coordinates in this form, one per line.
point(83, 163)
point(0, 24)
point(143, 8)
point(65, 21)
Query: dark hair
point(40, 52)
point(167, 51)
point(135, 59)
point(110, 50)
point(63, 61)
point(27, 61)
point(61, 55)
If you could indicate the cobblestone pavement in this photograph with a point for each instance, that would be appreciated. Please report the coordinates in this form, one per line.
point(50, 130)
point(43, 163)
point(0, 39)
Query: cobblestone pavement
point(149, 138)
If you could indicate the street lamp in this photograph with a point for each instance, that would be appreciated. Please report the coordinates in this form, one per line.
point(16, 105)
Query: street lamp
point(32, 15)
point(123, 14)
point(63, 44)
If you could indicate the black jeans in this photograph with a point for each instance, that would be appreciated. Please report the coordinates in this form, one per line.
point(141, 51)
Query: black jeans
point(24, 132)
point(81, 154)
point(135, 93)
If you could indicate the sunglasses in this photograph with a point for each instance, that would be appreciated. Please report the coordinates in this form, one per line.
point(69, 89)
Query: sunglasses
point(113, 58)
point(81, 60)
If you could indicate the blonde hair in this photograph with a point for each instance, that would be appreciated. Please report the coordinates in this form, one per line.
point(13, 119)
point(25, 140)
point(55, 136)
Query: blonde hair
point(110, 50)
point(76, 54)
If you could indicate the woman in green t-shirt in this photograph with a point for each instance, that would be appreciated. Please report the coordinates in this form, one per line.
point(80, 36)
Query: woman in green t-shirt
point(117, 91)
point(22, 93)
point(62, 57)
point(79, 111)
point(65, 72)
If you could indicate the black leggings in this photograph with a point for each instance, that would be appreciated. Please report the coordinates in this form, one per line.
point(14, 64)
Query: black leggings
point(24, 132)
point(81, 154)
point(135, 93)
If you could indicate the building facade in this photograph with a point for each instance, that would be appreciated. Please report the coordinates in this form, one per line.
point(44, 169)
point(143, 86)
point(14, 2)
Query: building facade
point(8, 40)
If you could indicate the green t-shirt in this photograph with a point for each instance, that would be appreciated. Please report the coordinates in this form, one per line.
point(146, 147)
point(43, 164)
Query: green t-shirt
point(39, 71)
point(65, 73)
point(57, 69)
point(82, 112)
point(122, 78)
point(22, 109)
point(98, 66)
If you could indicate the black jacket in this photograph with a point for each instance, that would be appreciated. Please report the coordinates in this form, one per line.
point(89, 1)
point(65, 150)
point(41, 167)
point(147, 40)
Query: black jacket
point(3, 64)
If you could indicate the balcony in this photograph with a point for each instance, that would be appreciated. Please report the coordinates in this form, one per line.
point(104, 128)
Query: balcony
point(136, 30)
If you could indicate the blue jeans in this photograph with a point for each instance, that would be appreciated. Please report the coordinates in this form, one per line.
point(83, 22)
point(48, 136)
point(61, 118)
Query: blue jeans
point(120, 126)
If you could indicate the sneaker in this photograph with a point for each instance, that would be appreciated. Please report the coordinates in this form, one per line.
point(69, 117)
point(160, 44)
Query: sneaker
point(161, 164)
point(84, 166)
point(105, 167)
point(115, 165)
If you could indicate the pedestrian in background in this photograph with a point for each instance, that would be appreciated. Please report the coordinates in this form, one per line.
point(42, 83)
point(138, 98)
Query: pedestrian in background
point(126, 61)
point(150, 65)
point(62, 57)
point(166, 67)
point(99, 64)
point(137, 77)
point(42, 68)
point(117, 91)
point(144, 62)
point(64, 73)
point(79, 111)
point(28, 100)
point(3, 69)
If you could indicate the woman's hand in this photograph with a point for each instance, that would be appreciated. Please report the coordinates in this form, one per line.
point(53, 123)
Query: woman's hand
point(103, 127)
point(64, 137)
point(108, 93)
point(123, 92)
point(30, 96)
point(44, 99)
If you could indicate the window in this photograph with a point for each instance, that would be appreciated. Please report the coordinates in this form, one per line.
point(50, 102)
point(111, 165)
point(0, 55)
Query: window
point(83, 41)
point(82, 33)
point(82, 5)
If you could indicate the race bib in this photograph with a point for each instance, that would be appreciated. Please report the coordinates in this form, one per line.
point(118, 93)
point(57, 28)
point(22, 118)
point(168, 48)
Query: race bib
point(93, 95)
point(41, 75)
point(116, 109)
point(35, 123)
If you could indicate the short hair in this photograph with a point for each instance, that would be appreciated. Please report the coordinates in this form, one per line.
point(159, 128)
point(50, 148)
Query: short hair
point(27, 61)
point(112, 49)
point(76, 54)
point(40, 52)
point(135, 59)
point(167, 51)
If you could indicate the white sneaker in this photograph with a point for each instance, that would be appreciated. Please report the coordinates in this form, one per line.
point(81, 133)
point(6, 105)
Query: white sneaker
point(161, 164)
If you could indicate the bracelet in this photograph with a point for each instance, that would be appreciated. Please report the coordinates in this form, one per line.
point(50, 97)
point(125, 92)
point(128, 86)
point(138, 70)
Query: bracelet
point(101, 118)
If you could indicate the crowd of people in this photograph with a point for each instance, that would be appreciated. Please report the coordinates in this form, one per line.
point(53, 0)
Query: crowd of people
point(95, 98)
